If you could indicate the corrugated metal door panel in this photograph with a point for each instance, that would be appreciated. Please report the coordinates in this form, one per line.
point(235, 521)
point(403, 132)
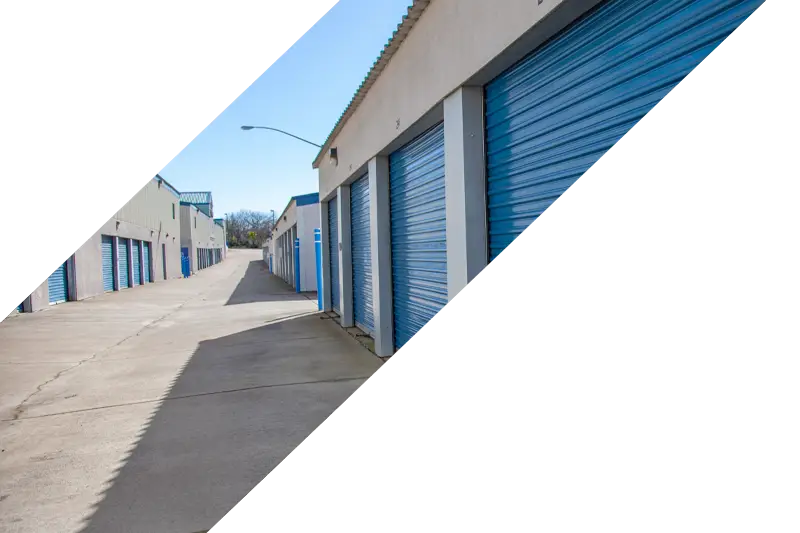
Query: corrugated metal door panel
point(123, 259)
point(147, 265)
point(361, 254)
point(107, 247)
point(57, 286)
point(333, 243)
point(553, 115)
point(419, 240)
point(137, 273)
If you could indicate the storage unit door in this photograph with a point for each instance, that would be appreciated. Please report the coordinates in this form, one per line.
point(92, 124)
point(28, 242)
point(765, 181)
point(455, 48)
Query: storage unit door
point(333, 243)
point(123, 259)
point(57, 286)
point(137, 273)
point(419, 239)
point(554, 114)
point(361, 254)
point(147, 265)
point(107, 247)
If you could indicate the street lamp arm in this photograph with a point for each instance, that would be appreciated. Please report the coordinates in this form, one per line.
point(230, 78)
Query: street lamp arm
point(281, 131)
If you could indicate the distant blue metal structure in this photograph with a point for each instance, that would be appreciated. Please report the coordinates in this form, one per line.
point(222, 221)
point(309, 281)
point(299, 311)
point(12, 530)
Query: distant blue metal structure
point(186, 267)
point(306, 199)
point(297, 265)
point(201, 200)
point(136, 261)
point(318, 252)
point(58, 285)
point(333, 248)
point(107, 249)
point(147, 262)
point(123, 260)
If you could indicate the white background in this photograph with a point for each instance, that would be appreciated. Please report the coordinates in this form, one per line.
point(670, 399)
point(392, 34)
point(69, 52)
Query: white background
point(96, 97)
point(630, 363)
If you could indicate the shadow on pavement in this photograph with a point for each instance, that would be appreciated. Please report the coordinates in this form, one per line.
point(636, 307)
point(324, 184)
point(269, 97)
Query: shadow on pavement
point(239, 406)
point(258, 285)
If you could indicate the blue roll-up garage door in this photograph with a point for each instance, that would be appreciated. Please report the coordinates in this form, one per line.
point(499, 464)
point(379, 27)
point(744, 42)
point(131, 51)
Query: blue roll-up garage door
point(107, 249)
point(123, 257)
point(419, 239)
point(147, 264)
point(554, 114)
point(333, 246)
point(57, 285)
point(137, 263)
point(361, 253)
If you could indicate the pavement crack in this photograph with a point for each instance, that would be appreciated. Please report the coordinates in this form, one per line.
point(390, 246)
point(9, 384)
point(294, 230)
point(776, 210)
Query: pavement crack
point(195, 395)
point(20, 408)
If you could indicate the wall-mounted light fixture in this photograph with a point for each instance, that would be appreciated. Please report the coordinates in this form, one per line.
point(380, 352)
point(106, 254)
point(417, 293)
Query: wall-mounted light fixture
point(334, 156)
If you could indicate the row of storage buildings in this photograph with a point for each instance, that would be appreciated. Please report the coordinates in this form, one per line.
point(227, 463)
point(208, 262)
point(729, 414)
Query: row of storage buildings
point(475, 118)
point(290, 250)
point(159, 234)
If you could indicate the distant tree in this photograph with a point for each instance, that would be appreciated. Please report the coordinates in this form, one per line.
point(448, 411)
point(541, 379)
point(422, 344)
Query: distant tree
point(248, 228)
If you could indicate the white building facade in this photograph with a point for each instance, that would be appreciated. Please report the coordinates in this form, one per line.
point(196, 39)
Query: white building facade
point(291, 246)
point(202, 237)
point(140, 244)
point(475, 119)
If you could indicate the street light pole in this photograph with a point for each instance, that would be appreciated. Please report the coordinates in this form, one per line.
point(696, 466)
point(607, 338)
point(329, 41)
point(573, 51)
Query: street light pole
point(247, 128)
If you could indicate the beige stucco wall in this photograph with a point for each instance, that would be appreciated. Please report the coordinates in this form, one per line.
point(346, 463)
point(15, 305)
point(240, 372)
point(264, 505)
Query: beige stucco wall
point(218, 233)
point(307, 221)
point(146, 217)
point(284, 248)
point(287, 220)
point(454, 43)
point(199, 231)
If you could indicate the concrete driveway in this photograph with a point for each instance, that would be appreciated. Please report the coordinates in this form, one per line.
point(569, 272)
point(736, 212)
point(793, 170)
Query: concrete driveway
point(158, 408)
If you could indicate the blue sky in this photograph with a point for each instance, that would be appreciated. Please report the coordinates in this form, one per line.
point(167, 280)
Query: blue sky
point(304, 93)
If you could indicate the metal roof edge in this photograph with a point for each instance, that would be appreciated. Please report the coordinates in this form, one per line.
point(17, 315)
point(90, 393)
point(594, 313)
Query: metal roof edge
point(413, 14)
point(306, 199)
point(172, 189)
point(285, 209)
